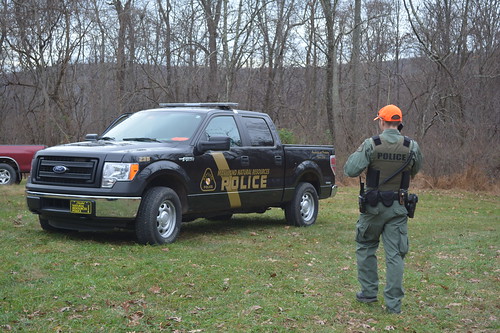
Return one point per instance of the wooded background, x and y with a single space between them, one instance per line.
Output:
320 68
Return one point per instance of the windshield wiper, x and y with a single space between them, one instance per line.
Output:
107 138
141 139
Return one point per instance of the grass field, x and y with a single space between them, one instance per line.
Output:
252 274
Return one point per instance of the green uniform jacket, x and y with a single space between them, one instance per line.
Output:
361 158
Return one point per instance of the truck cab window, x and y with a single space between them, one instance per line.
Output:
158 125
259 132
224 126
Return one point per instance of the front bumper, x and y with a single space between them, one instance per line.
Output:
101 206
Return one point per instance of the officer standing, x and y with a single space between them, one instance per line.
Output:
390 160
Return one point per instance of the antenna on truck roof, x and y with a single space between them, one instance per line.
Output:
220 105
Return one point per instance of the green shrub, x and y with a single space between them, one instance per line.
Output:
286 136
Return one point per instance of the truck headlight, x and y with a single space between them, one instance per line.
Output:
115 172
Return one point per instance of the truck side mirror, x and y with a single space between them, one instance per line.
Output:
219 143
91 137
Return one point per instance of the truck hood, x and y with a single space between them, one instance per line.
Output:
113 146
118 150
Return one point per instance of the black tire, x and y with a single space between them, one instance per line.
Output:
302 211
159 218
8 175
44 223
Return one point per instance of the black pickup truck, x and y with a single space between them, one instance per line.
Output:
154 169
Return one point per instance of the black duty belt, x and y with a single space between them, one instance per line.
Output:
386 197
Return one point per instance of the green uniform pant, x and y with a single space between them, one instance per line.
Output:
391 223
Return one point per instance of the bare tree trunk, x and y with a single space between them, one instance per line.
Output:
165 17
212 10
355 63
332 88
397 53
309 97
121 63
275 32
235 39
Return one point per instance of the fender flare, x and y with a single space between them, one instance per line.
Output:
307 171
168 174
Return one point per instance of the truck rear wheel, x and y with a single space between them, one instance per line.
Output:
159 218
7 174
302 211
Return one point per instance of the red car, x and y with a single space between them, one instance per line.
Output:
14 161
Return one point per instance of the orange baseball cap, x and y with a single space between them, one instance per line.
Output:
390 113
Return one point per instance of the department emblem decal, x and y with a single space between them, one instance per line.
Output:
208 181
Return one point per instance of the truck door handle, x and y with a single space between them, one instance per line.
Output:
245 161
278 160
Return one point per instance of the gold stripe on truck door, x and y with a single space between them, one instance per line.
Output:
220 161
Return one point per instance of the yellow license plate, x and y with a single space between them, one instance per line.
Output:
80 207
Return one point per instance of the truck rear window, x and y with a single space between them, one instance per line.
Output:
259 132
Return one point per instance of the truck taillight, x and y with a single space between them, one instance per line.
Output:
333 163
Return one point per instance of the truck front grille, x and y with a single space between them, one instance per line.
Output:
58 170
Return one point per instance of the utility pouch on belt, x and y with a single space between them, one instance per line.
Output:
386 197
372 197
411 204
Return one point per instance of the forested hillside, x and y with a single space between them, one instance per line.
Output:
320 68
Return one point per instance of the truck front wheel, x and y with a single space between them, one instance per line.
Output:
7 174
159 218
44 223
303 209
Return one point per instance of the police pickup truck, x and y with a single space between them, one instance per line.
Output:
154 169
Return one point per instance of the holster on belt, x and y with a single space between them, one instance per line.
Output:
411 204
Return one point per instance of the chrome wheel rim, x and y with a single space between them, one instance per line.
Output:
307 206
4 177
166 219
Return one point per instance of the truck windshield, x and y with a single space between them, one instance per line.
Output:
153 126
